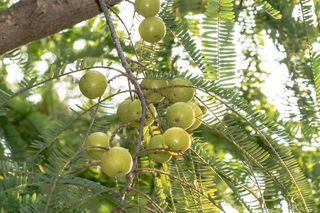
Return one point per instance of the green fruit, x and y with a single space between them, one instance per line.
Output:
96 144
177 139
152 89
151 114
129 111
123 110
93 84
180 115
198 114
158 156
180 94
116 162
152 29
135 110
147 8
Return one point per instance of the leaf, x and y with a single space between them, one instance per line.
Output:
217 41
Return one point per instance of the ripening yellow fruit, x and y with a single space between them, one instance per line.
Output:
151 114
198 115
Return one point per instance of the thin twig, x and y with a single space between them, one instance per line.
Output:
153 150
56 77
129 85
140 94
142 207
68 162
131 2
115 132
114 78
127 30
231 139
81 167
57 134
182 182
129 36
150 200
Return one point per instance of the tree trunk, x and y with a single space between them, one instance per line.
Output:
30 20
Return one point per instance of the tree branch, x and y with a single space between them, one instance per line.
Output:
137 87
30 20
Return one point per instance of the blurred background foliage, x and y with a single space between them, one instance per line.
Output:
272 39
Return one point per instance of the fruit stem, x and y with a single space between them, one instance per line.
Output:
115 132
137 87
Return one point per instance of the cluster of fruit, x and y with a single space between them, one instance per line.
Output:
114 160
152 29
183 115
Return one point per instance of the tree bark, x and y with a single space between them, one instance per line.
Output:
30 20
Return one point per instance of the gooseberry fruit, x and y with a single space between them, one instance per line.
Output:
152 89
180 115
93 84
151 114
122 111
152 29
129 111
147 8
198 114
116 162
158 156
177 139
184 93
96 144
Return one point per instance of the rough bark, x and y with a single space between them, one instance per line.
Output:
30 20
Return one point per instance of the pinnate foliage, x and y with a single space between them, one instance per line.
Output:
53 174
